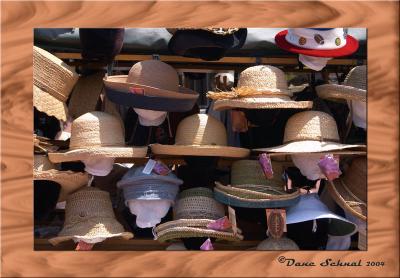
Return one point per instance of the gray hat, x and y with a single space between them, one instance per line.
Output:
139 186
310 207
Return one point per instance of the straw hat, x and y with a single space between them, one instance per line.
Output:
200 135
69 181
53 81
193 211
88 215
97 134
250 188
152 85
273 244
317 42
350 190
217 31
259 87
354 86
311 132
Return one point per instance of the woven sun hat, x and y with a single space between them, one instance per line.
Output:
97 134
151 85
310 208
137 185
69 181
274 244
317 42
250 188
193 211
200 135
53 81
350 190
311 132
208 44
89 215
259 87
354 87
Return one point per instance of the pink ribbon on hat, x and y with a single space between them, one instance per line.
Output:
221 224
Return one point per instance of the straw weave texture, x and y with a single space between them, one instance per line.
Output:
283 243
198 207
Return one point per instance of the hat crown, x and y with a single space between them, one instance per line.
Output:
198 203
88 203
311 125
154 73
42 163
201 129
52 75
357 77
355 178
250 172
136 173
96 129
263 77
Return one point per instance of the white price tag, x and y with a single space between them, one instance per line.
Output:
149 166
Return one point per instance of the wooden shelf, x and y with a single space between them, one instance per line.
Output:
134 245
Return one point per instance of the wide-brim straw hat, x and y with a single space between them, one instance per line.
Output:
259 87
152 85
332 42
275 244
53 81
194 210
69 181
251 189
97 134
354 87
350 190
310 208
312 132
200 135
89 215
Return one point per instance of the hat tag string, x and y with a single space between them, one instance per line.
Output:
314 227
90 180
153 231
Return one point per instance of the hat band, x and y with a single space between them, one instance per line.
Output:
51 92
94 146
317 138
242 92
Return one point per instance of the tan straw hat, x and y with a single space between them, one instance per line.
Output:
89 215
53 81
259 87
97 134
311 132
200 135
350 190
193 211
69 181
250 188
282 243
354 86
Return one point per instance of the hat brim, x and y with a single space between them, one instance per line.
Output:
90 229
310 146
350 47
44 102
187 228
236 201
70 181
159 179
335 92
344 200
310 208
196 150
118 91
111 152
260 103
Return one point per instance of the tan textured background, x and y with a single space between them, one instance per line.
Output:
18 19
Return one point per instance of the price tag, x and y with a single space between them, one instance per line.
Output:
149 166
276 221
232 219
136 91
84 246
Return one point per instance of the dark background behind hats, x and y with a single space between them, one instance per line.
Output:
259 41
